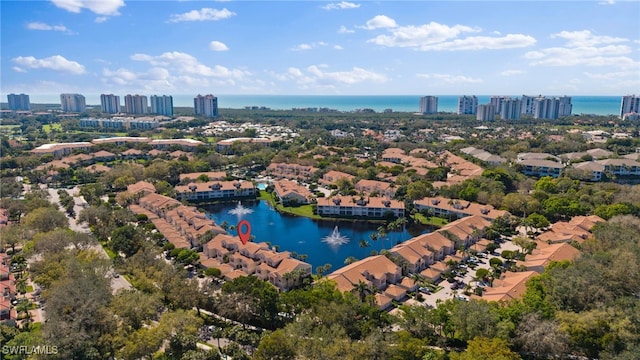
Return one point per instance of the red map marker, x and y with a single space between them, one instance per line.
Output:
244 236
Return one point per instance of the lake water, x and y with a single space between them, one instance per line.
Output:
304 236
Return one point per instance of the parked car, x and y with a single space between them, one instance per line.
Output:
424 290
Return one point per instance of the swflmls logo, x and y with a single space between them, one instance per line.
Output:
30 350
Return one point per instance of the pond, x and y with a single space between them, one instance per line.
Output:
305 236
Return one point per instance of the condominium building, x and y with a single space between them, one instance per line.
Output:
136 104
110 103
467 104
206 105
161 105
428 105
120 123
497 102
486 112
630 104
18 102
564 106
72 103
527 104
510 109
545 108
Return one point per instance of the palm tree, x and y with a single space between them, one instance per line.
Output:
364 243
362 289
350 260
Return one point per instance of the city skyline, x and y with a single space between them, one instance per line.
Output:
320 48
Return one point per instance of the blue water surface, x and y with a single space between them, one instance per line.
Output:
304 236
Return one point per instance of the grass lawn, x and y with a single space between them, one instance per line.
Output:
109 252
432 220
48 127
29 288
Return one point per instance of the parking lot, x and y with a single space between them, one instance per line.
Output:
448 293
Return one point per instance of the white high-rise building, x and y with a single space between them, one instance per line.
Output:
73 103
497 102
527 104
136 104
467 105
428 105
510 109
630 104
564 106
110 103
206 105
486 112
546 108
161 105
18 102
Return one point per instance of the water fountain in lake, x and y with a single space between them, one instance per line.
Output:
240 210
335 238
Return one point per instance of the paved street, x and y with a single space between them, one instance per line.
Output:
117 283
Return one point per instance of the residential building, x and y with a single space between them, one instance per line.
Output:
161 105
291 171
511 109
374 187
428 105
61 149
497 102
210 176
527 104
511 285
467 104
376 271
444 207
120 123
540 168
545 253
185 144
225 146
110 103
630 104
206 105
121 140
332 176
73 103
546 108
290 192
577 229
136 104
564 106
484 156
18 102
352 206
486 112
8 313
214 190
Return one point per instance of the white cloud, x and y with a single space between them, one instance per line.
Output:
341 5
316 76
512 72
343 30
380 22
420 36
47 27
508 41
309 46
19 69
440 37
186 64
450 79
607 2
586 38
56 62
100 19
585 48
218 46
204 14
100 7
338 47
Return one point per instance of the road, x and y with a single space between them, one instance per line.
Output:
117 283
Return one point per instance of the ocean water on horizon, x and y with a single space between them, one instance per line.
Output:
598 105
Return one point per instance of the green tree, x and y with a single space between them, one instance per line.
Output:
486 349
45 219
275 346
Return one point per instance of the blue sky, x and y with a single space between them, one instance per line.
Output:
317 47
